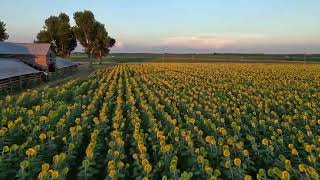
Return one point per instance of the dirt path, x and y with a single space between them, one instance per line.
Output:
82 74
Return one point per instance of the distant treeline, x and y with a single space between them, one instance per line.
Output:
200 54
298 57
214 57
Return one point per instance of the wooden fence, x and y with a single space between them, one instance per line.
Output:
19 82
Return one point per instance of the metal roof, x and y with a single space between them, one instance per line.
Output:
24 48
63 63
13 67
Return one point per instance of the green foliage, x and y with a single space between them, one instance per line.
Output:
102 43
3 35
85 29
92 35
59 33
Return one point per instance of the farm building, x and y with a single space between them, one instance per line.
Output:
65 67
37 55
23 63
14 73
63 64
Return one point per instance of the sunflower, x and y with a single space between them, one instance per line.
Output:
147 168
237 162
265 142
45 167
226 153
42 136
285 175
247 177
31 152
112 173
245 152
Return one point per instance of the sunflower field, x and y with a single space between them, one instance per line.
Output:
167 121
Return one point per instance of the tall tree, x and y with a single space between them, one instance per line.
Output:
92 35
59 33
84 30
102 42
3 35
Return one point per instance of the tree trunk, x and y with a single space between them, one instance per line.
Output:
100 57
90 60
100 60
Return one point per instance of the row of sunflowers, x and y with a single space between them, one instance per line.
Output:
167 121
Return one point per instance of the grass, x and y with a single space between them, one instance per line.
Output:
81 74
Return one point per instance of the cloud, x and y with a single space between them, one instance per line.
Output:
210 41
189 43
198 42
119 44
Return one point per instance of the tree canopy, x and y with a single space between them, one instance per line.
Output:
92 35
58 31
85 30
102 42
3 34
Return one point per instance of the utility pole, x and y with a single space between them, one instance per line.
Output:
163 58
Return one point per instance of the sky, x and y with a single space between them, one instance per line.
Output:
183 26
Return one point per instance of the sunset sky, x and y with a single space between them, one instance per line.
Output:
183 26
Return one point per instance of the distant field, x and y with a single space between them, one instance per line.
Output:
199 58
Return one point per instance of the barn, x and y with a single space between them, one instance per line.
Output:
65 65
15 74
21 64
40 56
